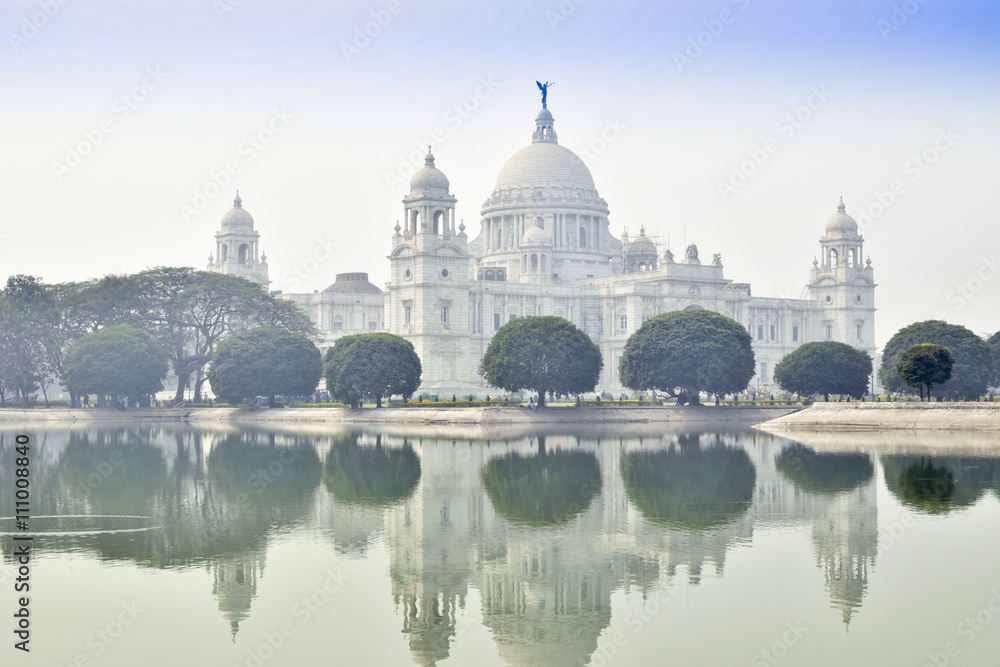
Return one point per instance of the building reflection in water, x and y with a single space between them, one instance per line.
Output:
545 528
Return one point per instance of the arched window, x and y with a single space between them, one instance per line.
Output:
224 253
534 263
438 221
642 267
501 276
242 257
480 275
583 237
833 258
490 275
414 220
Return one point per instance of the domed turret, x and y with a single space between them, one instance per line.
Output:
841 224
237 216
536 236
429 178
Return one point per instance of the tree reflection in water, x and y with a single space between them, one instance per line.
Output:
938 485
377 476
823 473
690 487
546 489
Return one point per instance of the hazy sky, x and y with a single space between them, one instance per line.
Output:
118 118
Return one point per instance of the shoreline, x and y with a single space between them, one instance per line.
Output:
899 416
485 416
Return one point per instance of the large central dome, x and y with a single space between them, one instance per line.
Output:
545 164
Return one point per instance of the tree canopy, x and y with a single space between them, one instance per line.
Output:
264 362
377 476
973 360
994 343
30 340
693 350
116 361
826 474
825 367
925 365
371 367
543 354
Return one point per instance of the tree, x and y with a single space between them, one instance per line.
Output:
371 366
973 361
826 368
30 340
116 361
689 350
264 362
543 354
994 343
925 365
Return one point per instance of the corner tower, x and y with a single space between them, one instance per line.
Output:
236 247
843 287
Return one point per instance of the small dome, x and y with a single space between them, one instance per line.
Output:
237 215
536 236
429 177
544 114
841 224
353 283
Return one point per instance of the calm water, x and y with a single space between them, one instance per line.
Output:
175 546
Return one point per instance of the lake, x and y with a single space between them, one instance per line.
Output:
169 545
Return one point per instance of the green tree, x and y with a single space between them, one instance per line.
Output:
826 367
690 350
925 365
116 361
823 473
543 354
371 366
377 476
265 362
30 339
973 360
994 343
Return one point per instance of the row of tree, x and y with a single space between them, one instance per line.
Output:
187 312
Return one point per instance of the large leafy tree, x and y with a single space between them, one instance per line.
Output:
973 360
190 312
371 366
116 361
265 362
925 365
690 350
543 354
30 339
826 367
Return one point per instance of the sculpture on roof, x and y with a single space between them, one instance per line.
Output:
691 252
544 87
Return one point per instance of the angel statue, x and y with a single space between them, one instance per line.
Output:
544 87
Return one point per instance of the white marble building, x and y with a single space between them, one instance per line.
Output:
545 247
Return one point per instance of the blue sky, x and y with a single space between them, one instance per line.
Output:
664 100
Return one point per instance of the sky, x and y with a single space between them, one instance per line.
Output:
126 127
